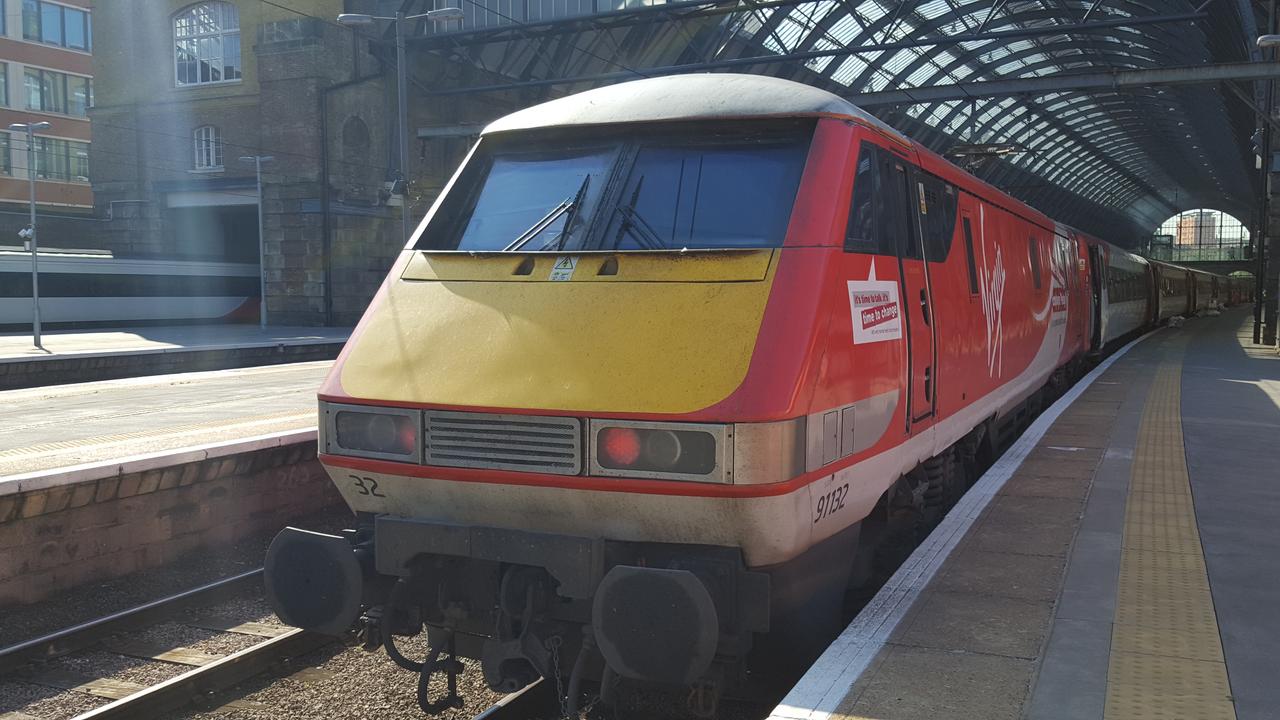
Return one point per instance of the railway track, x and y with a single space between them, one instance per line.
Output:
208 674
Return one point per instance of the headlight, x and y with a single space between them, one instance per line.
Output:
387 433
670 451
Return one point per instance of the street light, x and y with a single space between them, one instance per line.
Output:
257 161
402 87
31 129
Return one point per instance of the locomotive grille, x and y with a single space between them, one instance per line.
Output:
504 442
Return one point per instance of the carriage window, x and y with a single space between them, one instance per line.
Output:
1033 250
968 251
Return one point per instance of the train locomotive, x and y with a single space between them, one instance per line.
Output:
668 367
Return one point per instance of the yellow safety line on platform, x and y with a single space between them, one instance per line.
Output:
1166 652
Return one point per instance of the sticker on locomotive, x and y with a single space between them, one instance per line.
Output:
875 309
564 267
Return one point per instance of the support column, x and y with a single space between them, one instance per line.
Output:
1271 278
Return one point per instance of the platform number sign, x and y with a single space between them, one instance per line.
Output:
564 267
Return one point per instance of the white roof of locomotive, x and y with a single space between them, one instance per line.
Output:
686 97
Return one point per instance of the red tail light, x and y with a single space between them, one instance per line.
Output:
619 447
656 451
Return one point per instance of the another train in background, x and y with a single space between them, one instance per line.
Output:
1141 292
85 287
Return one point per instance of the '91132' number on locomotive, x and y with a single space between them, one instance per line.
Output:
831 502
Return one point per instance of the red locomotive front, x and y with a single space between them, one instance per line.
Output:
668 367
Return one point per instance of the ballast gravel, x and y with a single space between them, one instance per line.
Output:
347 683
43 702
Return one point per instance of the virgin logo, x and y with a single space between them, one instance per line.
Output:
992 282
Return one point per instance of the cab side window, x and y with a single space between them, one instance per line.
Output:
862 234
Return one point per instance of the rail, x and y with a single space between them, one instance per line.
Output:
177 692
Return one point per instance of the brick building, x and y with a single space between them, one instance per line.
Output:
185 90
46 75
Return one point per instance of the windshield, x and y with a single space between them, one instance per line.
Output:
523 188
651 193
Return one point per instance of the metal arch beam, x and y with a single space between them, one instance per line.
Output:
1048 62
1106 81
969 57
671 11
1001 122
1108 146
1086 171
971 9
837 52
1124 172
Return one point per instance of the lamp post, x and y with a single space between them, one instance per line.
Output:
257 161
31 129
402 89
1264 310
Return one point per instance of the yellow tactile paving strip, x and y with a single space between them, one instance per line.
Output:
1166 652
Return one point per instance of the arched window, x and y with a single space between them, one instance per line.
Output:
206 40
208 145
355 139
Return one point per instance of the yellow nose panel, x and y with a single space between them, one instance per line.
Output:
666 336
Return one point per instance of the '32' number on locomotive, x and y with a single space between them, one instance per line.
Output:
366 485
831 502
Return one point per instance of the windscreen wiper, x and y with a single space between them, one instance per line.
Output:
570 205
635 224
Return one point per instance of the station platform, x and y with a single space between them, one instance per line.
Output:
51 430
102 479
1122 560
70 356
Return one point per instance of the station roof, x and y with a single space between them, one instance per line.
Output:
1085 135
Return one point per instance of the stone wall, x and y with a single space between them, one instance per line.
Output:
68 230
61 537
316 97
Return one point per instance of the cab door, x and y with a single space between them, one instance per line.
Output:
917 302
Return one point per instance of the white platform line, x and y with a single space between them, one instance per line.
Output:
820 692
57 477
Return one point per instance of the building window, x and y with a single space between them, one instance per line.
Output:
4 75
55 92
207 44
62 160
6 158
208 142
59 25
